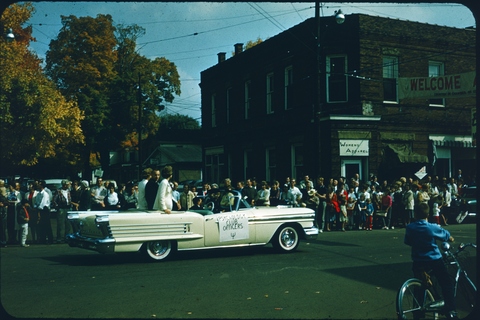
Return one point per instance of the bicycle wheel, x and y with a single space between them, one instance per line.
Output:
412 299
465 296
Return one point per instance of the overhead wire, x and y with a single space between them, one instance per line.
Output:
265 15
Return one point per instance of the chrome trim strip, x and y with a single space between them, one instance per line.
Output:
307 217
225 246
153 229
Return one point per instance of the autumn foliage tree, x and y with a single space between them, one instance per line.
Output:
96 64
37 122
81 62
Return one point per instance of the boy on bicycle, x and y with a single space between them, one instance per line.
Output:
422 236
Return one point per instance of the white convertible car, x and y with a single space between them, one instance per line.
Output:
159 235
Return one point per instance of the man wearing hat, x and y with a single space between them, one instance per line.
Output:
62 201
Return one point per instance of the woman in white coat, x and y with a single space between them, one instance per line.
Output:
164 199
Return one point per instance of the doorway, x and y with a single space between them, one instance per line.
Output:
350 168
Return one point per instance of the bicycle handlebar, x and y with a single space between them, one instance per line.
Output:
462 246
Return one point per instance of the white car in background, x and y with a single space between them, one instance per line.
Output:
159 235
54 184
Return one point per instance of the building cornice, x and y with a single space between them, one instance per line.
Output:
349 118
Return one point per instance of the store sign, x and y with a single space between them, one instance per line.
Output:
451 86
349 148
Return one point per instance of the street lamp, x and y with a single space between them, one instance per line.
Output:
339 16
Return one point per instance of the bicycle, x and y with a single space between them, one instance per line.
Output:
417 298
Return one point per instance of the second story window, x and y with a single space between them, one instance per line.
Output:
214 111
288 88
270 108
435 69
390 75
248 98
337 85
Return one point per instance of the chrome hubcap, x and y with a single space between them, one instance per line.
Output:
288 238
158 248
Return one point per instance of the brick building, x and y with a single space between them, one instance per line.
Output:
275 111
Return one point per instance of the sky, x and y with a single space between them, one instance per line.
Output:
192 34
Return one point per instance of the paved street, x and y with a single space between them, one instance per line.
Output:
339 276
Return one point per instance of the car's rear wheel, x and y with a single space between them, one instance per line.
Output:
286 239
159 250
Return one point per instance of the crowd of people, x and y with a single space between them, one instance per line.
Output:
339 203
352 204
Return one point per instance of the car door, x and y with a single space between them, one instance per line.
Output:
229 228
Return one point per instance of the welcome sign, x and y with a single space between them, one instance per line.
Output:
233 227
450 86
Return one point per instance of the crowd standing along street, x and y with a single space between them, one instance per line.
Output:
340 204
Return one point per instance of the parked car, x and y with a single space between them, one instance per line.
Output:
53 184
158 235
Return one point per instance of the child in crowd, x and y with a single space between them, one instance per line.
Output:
23 216
436 213
361 208
369 215
352 200
343 218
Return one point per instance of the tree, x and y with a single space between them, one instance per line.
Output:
81 61
36 120
97 64
178 122
250 44
141 83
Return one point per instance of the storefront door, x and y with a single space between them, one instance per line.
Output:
350 168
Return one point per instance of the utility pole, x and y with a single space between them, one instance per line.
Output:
317 108
139 129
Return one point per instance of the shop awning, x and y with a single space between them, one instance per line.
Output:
452 141
405 154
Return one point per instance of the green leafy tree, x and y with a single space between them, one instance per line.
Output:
97 64
36 120
140 90
81 61
178 122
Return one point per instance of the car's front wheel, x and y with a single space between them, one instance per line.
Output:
159 250
286 239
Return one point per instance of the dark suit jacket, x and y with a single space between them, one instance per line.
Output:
151 189
250 193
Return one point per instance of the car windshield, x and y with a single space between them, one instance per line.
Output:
469 192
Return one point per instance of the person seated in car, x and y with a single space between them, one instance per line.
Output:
214 198
197 204
227 201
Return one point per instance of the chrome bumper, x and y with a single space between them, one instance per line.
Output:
311 233
99 245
